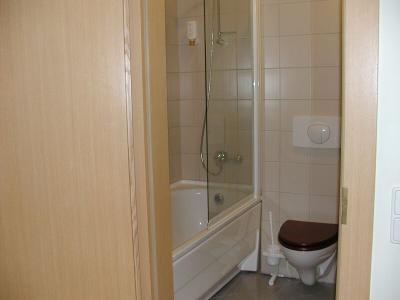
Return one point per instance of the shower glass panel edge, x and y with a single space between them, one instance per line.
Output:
232 118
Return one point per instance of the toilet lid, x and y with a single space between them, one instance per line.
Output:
307 236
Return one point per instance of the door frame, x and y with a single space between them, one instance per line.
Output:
148 139
358 160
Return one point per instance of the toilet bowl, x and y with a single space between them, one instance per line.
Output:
307 245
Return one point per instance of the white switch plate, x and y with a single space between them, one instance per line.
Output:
395 222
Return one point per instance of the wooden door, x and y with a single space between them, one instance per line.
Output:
65 196
359 111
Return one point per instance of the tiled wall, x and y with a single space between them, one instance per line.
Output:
302 77
186 93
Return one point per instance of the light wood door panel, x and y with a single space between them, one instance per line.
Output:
360 65
65 212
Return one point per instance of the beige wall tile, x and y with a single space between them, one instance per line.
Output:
326 50
190 140
270 202
172 58
271 52
271 146
294 178
295 83
271 115
245 144
290 153
271 177
191 112
192 85
190 166
174 140
245 84
270 19
173 113
325 83
224 85
293 207
272 84
245 115
173 86
325 156
291 109
171 25
244 53
324 209
190 8
191 58
295 51
295 18
225 56
325 180
325 107
325 16
175 168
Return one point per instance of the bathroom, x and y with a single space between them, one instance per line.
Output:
246 83
199 149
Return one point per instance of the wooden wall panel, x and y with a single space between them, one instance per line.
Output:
65 214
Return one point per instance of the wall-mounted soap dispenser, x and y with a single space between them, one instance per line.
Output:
191 32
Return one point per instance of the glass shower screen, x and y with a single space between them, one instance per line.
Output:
227 139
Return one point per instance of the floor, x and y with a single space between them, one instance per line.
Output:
252 286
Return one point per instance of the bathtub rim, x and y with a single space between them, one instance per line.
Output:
216 224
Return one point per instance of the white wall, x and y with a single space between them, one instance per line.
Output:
385 277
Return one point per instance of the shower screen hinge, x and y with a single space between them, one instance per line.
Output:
344 203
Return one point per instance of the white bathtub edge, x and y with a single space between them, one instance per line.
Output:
213 228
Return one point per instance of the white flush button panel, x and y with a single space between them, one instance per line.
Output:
396 216
316 132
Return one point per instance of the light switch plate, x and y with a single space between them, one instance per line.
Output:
395 220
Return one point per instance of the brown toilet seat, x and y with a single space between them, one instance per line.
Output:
307 236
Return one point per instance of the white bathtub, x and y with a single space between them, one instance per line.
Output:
206 256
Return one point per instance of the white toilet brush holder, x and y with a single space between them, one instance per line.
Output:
273 255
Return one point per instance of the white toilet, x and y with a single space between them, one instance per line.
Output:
306 245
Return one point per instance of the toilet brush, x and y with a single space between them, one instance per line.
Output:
273 253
